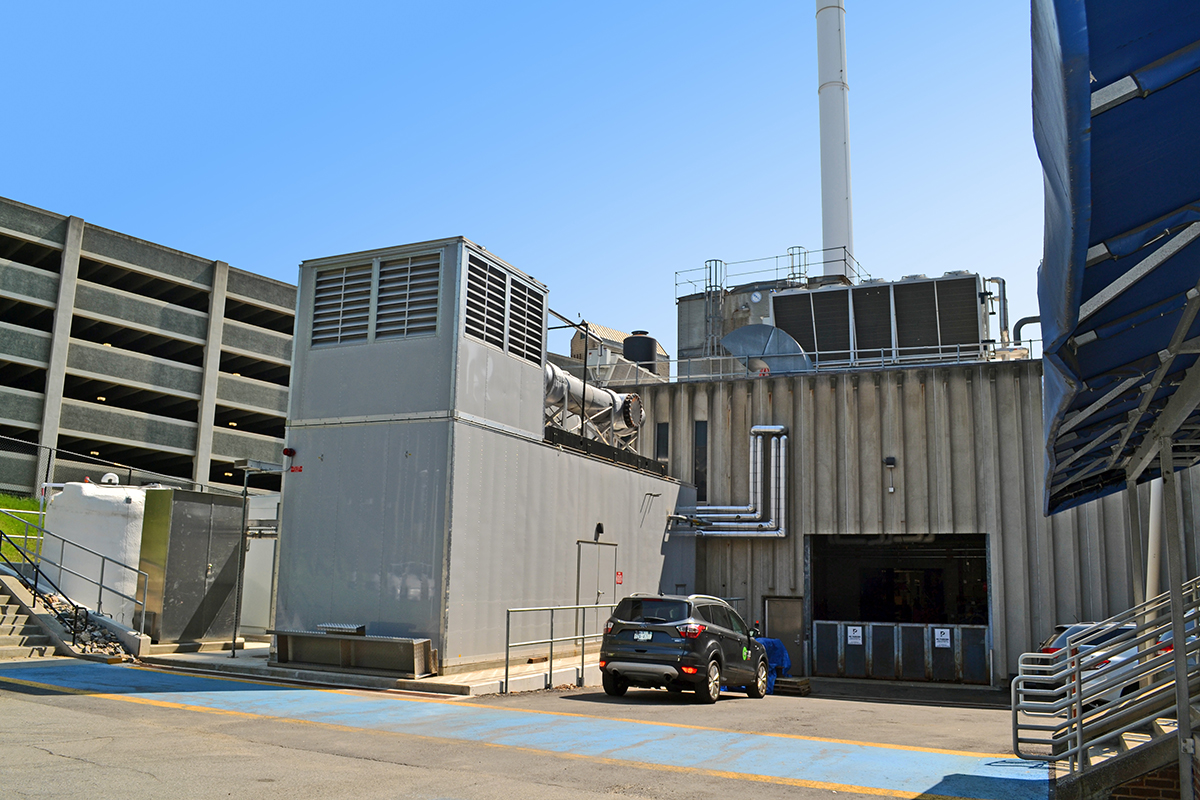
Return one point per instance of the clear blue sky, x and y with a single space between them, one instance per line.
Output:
599 147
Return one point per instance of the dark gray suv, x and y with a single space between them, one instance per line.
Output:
695 642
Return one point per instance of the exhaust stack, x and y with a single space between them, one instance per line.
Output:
837 223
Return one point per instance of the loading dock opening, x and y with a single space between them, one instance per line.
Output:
901 608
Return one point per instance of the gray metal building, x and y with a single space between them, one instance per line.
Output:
423 499
121 348
950 536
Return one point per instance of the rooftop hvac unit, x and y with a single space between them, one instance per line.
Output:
917 319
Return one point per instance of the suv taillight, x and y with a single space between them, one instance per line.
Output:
691 630
608 627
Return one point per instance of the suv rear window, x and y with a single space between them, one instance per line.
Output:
651 609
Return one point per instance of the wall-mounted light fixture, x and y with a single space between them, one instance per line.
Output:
890 463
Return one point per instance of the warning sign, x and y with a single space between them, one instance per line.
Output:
620 577
854 634
941 637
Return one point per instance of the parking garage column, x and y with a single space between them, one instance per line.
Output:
212 371
60 341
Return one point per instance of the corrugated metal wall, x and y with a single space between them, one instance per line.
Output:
968 445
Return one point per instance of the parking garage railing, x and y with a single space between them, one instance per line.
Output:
580 636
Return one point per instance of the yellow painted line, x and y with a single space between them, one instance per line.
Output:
469 704
737 776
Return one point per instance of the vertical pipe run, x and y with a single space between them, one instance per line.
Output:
1154 542
837 225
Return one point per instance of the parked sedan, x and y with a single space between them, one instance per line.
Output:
1111 670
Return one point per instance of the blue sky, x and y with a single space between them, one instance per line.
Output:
599 147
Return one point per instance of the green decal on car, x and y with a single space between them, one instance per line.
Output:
745 654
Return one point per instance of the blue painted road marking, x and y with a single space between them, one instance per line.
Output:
874 769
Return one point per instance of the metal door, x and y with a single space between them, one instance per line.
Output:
595 581
785 622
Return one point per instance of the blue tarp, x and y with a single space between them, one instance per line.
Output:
779 663
1121 186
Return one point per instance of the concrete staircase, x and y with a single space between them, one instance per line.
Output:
19 637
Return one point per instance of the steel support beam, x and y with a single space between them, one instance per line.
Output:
1173 534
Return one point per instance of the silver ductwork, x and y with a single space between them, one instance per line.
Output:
768 466
623 411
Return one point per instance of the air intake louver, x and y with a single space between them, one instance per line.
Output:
408 297
342 305
486 289
525 320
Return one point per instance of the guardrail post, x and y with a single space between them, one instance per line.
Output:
583 649
507 639
550 661
100 587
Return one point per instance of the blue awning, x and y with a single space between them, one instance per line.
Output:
1116 112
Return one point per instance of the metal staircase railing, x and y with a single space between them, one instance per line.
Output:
1110 689
41 563
28 572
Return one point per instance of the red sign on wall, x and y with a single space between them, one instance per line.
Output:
620 577
297 469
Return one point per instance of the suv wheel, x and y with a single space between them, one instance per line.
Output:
759 687
613 686
710 690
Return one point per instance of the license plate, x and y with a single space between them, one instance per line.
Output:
642 636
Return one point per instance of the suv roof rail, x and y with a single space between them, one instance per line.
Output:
706 597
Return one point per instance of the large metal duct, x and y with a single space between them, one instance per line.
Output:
624 410
837 223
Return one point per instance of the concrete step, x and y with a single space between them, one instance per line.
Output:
1164 726
1132 739
8 607
16 618
9 653
1099 753
37 639
17 626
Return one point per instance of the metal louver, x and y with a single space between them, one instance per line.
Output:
407 302
342 305
526 319
486 299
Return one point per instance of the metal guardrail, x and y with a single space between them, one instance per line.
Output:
41 560
582 636
34 584
1113 678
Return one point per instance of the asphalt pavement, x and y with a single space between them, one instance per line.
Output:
74 728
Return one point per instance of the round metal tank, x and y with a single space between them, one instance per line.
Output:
641 349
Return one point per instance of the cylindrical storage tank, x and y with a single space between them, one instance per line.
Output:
641 349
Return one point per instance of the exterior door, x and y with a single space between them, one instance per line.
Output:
785 622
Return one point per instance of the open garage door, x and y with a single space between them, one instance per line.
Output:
911 608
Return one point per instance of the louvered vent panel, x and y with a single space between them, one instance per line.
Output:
408 297
341 306
525 321
486 290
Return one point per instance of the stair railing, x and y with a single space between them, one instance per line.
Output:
26 563
107 565
1112 678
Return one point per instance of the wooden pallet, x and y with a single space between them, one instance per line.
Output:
796 687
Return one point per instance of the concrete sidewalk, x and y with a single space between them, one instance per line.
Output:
251 662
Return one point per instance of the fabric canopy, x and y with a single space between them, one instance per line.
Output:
1116 105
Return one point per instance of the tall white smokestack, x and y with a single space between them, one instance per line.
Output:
833 93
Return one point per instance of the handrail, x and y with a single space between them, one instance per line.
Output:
582 637
1100 686
141 580
34 586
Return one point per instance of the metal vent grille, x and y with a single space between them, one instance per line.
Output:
794 316
486 295
958 310
873 319
526 319
342 305
407 302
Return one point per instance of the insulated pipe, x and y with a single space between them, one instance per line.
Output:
756 479
760 525
561 387
1021 323
1154 540
1003 298
837 223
